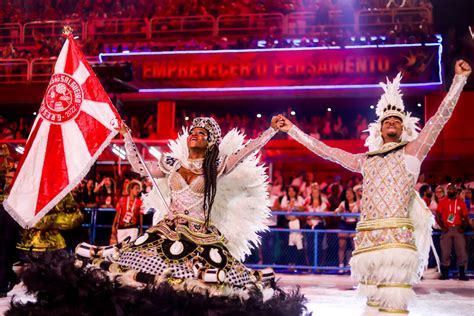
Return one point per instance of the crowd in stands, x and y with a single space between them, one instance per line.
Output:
30 10
321 127
49 47
18 128
291 191
301 192
22 11
399 35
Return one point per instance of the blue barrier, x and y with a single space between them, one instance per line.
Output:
320 252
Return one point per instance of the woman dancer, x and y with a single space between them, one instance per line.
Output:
189 262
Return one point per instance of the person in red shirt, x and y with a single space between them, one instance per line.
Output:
129 218
452 217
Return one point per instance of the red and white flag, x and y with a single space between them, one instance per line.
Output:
75 123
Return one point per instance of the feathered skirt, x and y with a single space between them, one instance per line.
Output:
178 267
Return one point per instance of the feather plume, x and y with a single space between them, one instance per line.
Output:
392 96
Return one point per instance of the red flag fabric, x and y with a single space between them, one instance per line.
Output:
75 123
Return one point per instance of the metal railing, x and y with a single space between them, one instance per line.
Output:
118 29
10 33
320 250
308 24
41 69
38 30
20 70
384 19
175 27
250 24
179 27
14 71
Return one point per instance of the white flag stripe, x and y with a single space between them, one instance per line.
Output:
24 194
61 61
81 74
75 149
100 111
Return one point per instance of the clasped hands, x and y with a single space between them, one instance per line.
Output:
281 123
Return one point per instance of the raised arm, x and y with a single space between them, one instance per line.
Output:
427 137
133 156
350 161
251 147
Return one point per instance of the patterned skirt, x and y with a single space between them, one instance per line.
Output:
178 249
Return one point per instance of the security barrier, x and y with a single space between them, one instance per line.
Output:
320 252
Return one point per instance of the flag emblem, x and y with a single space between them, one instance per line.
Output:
62 100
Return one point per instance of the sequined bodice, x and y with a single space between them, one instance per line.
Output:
388 186
187 199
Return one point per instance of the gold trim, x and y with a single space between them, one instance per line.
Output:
381 247
399 285
393 310
376 224
190 219
373 283
387 148
67 30
210 238
174 281
373 303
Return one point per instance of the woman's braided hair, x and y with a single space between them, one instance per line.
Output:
210 161
210 179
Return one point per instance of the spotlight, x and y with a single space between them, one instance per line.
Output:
119 151
419 105
293 113
372 107
34 113
186 118
329 109
259 115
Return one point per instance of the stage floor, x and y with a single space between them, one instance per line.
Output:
335 295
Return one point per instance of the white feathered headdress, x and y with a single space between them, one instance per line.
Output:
391 104
241 205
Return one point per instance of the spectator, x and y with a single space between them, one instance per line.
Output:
468 199
89 197
426 194
105 189
348 205
292 202
452 217
128 220
314 203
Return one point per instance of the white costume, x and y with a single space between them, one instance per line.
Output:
393 235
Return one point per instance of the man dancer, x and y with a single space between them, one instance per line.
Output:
386 261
